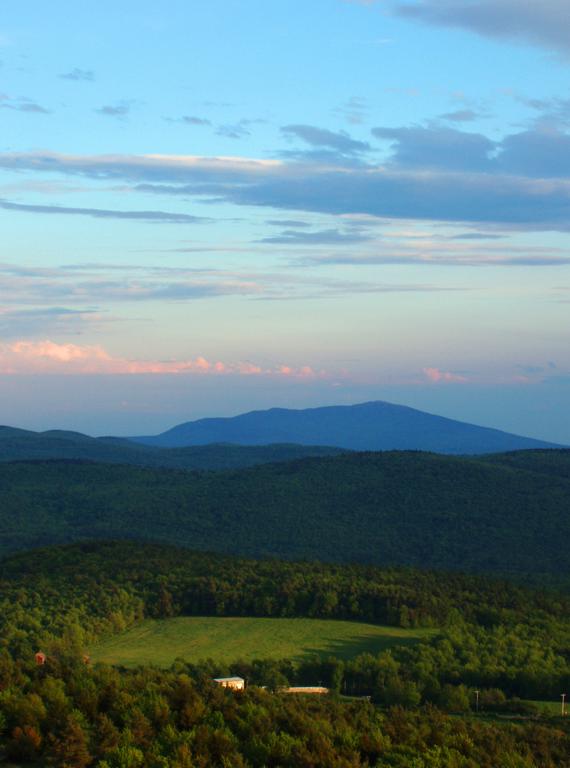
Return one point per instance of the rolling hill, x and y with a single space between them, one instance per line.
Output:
21 444
374 426
392 508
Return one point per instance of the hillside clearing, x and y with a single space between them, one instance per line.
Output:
225 640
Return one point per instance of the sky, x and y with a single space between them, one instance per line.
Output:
224 205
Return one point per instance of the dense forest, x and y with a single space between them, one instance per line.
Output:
492 633
94 583
76 717
504 513
508 642
410 705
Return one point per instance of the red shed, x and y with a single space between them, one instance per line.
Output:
41 658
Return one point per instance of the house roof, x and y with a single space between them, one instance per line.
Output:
229 680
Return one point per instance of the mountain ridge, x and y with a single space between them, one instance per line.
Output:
371 426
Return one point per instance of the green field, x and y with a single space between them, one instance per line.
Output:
552 708
228 639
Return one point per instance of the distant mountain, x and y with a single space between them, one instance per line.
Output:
375 426
21 444
388 508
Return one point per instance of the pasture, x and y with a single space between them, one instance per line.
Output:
226 639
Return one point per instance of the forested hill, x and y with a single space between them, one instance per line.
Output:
22 444
374 426
399 508
506 643
141 580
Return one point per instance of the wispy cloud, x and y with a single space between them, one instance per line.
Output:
432 175
435 254
529 370
101 285
321 237
194 120
477 236
238 130
437 376
460 116
551 114
17 323
235 130
354 111
162 217
293 223
120 110
101 291
23 105
338 142
79 75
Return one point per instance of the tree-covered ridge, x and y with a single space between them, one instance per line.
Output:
554 461
500 638
395 508
103 586
24 445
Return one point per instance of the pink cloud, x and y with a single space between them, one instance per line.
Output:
249 369
46 356
437 376
306 372
32 357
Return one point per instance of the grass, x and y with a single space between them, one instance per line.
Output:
228 639
552 708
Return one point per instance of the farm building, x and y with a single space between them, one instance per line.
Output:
306 689
235 683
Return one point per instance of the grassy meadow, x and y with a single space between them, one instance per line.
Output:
225 640
551 708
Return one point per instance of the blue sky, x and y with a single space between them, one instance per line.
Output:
215 206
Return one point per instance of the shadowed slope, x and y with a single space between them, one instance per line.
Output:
21 444
402 508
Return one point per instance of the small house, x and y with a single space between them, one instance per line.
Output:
235 683
40 658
